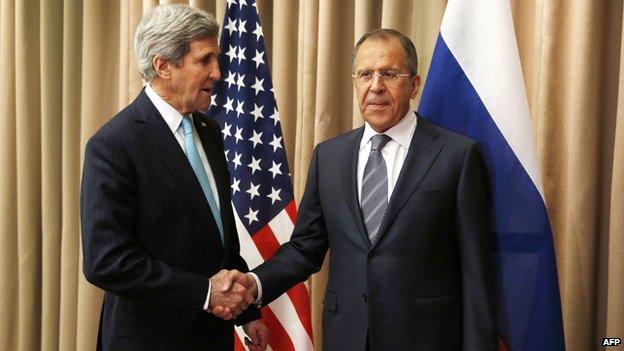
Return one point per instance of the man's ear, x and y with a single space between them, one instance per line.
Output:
415 86
162 67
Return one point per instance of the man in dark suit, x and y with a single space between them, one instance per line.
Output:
402 204
157 224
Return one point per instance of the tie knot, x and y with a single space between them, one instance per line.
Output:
379 141
187 125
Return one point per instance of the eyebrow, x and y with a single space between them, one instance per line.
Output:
208 55
379 69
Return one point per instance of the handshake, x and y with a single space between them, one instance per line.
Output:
231 292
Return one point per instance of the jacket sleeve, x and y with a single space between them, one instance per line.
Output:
479 331
303 255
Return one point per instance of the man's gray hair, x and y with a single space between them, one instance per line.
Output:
167 31
385 34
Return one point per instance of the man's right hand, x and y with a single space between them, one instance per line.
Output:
233 280
228 298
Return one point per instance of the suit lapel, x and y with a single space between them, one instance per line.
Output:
422 152
167 148
349 180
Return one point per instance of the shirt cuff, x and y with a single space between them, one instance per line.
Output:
207 303
258 300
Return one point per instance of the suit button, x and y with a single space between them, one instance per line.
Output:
372 255
364 297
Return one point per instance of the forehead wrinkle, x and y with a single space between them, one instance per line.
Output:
379 60
387 51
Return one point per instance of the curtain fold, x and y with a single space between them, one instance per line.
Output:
67 66
8 180
28 165
51 34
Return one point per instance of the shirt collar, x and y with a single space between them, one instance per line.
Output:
172 117
401 132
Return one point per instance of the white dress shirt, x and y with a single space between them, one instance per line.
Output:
394 152
173 118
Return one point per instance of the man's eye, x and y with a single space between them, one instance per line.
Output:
366 74
388 74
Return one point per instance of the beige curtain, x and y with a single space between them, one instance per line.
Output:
67 66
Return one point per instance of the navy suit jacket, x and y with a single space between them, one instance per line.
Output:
149 238
427 282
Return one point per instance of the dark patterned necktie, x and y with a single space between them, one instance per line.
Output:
375 187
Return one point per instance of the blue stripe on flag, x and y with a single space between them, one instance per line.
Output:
527 287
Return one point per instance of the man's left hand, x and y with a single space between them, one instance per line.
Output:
259 335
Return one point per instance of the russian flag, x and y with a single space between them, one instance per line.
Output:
475 87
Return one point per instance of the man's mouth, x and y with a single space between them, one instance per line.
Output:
376 104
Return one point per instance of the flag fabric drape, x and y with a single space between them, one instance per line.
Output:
262 194
475 87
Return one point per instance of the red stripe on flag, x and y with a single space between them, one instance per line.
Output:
278 337
238 345
291 209
300 298
266 242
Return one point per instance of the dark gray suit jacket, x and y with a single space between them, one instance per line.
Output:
427 283
149 238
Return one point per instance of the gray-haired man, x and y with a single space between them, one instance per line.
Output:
157 225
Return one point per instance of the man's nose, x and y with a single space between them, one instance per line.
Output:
215 71
377 84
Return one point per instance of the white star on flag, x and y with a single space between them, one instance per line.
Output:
226 130
253 190
275 116
241 27
230 79
231 53
258 85
235 186
255 139
239 107
258 31
240 82
258 58
275 169
241 54
231 26
257 112
254 165
274 195
228 105
237 160
239 134
252 216
276 143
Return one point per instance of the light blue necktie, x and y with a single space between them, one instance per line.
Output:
200 171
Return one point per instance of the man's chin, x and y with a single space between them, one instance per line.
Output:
376 118
203 106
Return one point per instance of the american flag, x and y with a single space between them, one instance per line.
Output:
262 195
